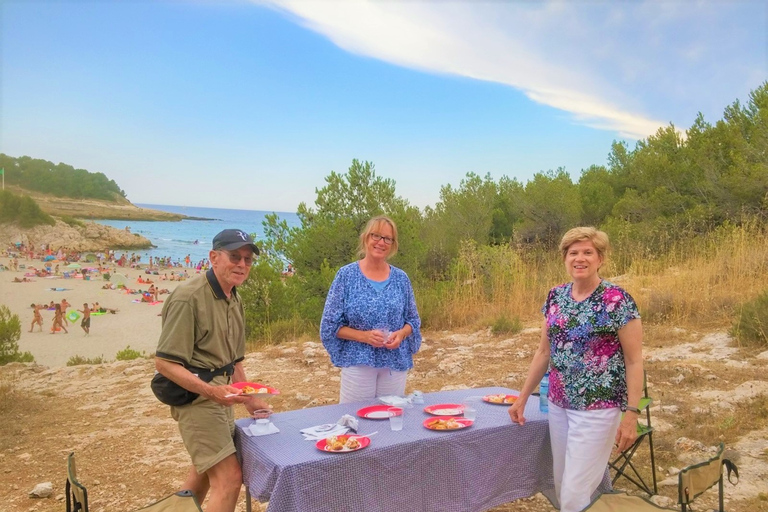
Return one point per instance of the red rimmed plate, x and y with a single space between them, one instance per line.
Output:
256 387
323 445
500 399
447 424
445 409
377 412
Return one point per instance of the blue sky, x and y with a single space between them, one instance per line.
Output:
251 104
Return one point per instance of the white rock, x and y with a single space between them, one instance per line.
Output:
42 490
662 501
689 445
762 355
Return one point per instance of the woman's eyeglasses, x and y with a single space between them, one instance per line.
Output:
376 237
235 258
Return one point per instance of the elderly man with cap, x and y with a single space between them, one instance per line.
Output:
203 328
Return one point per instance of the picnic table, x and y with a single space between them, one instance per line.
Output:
416 469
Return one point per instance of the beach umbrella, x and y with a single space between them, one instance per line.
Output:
73 266
90 258
118 279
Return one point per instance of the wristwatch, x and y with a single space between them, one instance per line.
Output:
633 409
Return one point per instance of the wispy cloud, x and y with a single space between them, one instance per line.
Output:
481 41
590 59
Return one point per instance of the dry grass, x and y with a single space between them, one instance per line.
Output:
699 283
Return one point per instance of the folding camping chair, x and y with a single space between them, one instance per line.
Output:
622 464
77 496
691 483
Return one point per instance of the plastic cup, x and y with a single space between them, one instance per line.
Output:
262 426
470 407
396 418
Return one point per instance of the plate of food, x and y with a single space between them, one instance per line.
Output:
445 409
377 412
447 423
500 399
343 444
254 388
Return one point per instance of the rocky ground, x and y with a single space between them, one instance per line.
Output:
129 452
89 237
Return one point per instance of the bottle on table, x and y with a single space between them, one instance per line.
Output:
543 390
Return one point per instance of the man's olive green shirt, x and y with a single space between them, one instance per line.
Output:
201 327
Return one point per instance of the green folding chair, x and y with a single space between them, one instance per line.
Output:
691 483
77 496
622 465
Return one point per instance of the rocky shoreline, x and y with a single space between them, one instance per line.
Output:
88 237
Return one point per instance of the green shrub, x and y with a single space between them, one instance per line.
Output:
22 210
78 360
505 325
128 354
10 332
751 324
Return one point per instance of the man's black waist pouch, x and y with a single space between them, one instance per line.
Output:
171 393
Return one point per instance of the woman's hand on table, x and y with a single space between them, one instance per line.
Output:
516 412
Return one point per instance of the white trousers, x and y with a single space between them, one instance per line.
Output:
581 445
363 383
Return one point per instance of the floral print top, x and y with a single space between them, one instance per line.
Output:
354 302
586 368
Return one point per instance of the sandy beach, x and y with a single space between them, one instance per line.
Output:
136 324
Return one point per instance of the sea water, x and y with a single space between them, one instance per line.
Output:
193 237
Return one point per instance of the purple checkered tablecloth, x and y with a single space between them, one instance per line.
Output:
490 463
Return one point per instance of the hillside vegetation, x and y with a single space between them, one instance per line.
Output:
22 210
685 213
60 180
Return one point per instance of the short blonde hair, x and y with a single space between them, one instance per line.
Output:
374 225
598 238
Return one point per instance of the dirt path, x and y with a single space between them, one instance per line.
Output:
129 452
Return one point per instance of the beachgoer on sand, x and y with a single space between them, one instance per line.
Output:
58 320
37 318
85 323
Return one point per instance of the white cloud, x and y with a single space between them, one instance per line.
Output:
630 67
503 43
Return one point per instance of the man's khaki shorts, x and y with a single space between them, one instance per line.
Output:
207 429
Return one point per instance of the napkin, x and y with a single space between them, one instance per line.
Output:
395 401
250 430
349 422
322 431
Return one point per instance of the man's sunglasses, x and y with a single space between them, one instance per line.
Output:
235 257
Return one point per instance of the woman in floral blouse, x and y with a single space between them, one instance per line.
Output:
370 325
591 344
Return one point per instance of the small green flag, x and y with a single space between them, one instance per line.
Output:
2 172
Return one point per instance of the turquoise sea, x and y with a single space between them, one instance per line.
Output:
177 239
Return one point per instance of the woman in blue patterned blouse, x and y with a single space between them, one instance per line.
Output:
370 325
591 343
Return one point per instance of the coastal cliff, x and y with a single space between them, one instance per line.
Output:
81 238
121 209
